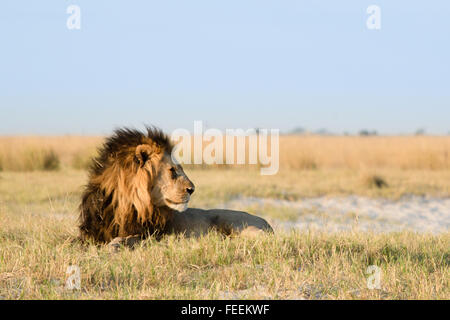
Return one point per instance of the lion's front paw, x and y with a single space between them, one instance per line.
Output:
116 244
128 242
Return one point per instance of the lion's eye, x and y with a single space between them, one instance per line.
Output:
173 171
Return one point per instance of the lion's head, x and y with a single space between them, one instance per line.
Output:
131 182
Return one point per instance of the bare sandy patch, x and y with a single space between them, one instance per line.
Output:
334 214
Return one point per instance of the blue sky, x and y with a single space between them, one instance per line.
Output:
233 64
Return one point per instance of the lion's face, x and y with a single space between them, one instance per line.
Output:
171 187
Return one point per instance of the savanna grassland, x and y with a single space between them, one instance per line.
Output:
41 180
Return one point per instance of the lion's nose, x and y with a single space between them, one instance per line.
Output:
190 190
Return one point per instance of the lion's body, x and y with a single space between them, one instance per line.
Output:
196 222
136 190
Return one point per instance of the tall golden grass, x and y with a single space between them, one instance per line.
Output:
409 152
30 153
27 153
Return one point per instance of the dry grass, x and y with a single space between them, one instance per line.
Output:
406 153
36 250
223 185
296 152
38 212
30 160
22 153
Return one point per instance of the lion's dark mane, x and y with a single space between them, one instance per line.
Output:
109 205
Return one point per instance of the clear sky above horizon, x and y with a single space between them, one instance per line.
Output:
232 64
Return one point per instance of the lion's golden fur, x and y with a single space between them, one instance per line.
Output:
117 200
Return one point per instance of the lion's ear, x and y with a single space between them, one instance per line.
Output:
143 154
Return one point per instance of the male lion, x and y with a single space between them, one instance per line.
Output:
136 190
